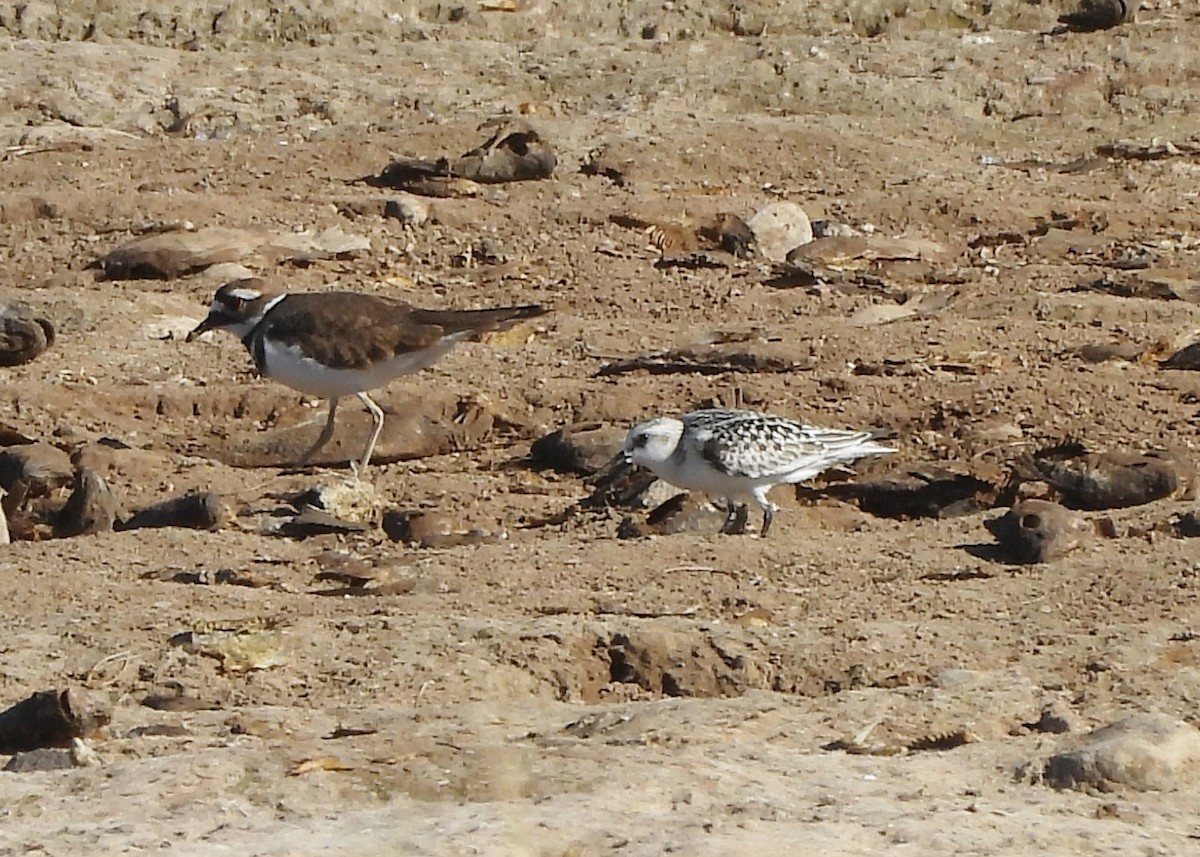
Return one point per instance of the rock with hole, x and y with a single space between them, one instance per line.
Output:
1038 531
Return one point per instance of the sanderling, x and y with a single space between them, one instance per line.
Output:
733 454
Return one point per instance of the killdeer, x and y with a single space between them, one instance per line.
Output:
731 454
332 344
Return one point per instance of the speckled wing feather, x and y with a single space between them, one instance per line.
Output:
757 446
709 417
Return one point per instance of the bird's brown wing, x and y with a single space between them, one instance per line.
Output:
346 330
350 330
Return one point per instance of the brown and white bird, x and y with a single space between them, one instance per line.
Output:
334 344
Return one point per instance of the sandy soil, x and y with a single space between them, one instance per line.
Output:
560 690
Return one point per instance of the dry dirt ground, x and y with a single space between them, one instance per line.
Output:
560 690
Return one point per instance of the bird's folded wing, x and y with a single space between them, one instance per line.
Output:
364 328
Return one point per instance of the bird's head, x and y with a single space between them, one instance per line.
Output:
653 441
238 306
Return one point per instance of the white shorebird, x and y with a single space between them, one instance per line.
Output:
741 454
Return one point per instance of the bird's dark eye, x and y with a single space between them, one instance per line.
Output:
236 303
640 441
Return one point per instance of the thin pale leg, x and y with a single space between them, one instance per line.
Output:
377 416
769 508
323 438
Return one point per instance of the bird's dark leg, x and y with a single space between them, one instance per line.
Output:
768 509
730 515
735 517
323 438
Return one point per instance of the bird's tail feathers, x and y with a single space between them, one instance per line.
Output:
473 321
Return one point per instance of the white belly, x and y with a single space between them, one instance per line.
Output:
694 475
289 366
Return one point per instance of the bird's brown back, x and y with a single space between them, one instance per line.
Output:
351 330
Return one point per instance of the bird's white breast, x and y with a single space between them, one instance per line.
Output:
689 470
289 365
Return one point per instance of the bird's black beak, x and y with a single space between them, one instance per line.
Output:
214 320
611 471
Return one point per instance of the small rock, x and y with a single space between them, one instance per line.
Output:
734 235
1093 15
354 575
689 513
1144 752
413 429
1052 721
619 484
177 253
164 328
317 522
240 649
584 448
226 272
658 494
1110 480
197 510
833 229
958 678
91 508
18 208
177 700
408 209
100 457
684 513
344 567
24 334
779 228
348 500
159 730
1104 352
82 754
33 470
173 254
432 530
51 718
993 430
1188 526
1185 358
42 759
1037 531
514 152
